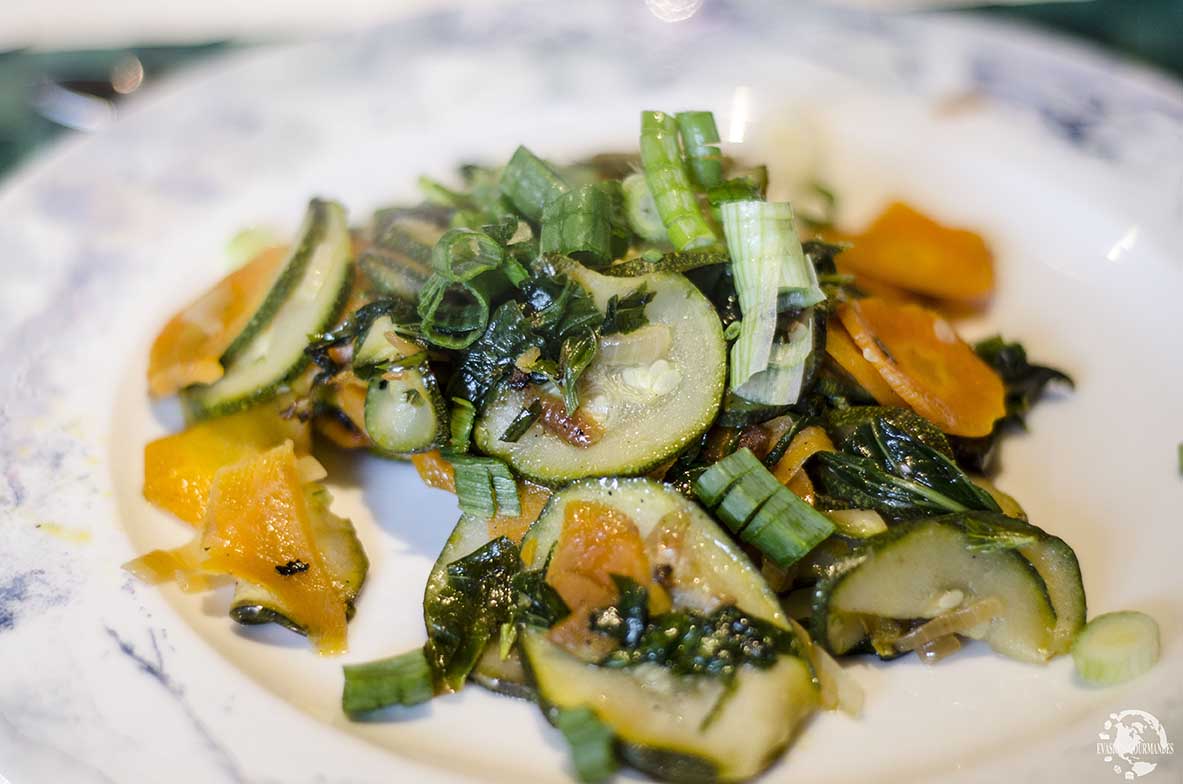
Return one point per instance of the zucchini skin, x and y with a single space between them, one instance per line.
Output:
386 442
316 226
661 764
544 459
869 548
204 402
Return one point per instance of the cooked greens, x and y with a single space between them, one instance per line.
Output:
675 425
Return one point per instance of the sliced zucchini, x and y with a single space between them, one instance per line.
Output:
304 300
665 722
708 568
925 568
404 410
674 726
648 413
491 671
405 413
343 554
398 260
373 348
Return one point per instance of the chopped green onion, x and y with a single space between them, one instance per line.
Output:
700 139
593 748
405 679
439 194
780 383
577 224
747 495
484 486
1115 647
772 275
749 500
454 313
733 190
713 484
463 254
641 209
522 422
460 423
666 176
530 183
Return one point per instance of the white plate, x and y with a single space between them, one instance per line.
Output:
1071 164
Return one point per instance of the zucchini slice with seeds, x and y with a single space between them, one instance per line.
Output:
304 300
673 726
405 412
648 412
923 568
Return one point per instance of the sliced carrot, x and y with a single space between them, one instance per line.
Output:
532 498
907 249
179 469
802 486
850 358
259 518
434 470
188 348
805 444
596 542
919 355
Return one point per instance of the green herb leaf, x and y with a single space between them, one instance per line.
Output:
538 603
627 314
522 422
405 679
490 358
469 609
577 353
461 419
530 183
864 484
687 642
902 454
592 743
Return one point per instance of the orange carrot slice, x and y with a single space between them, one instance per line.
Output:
434 470
532 498
919 355
909 250
849 357
259 518
179 469
596 542
188 348
805 444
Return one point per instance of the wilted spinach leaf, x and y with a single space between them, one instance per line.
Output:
627 314
687 642
476 597
888 469
538 603
1025 385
